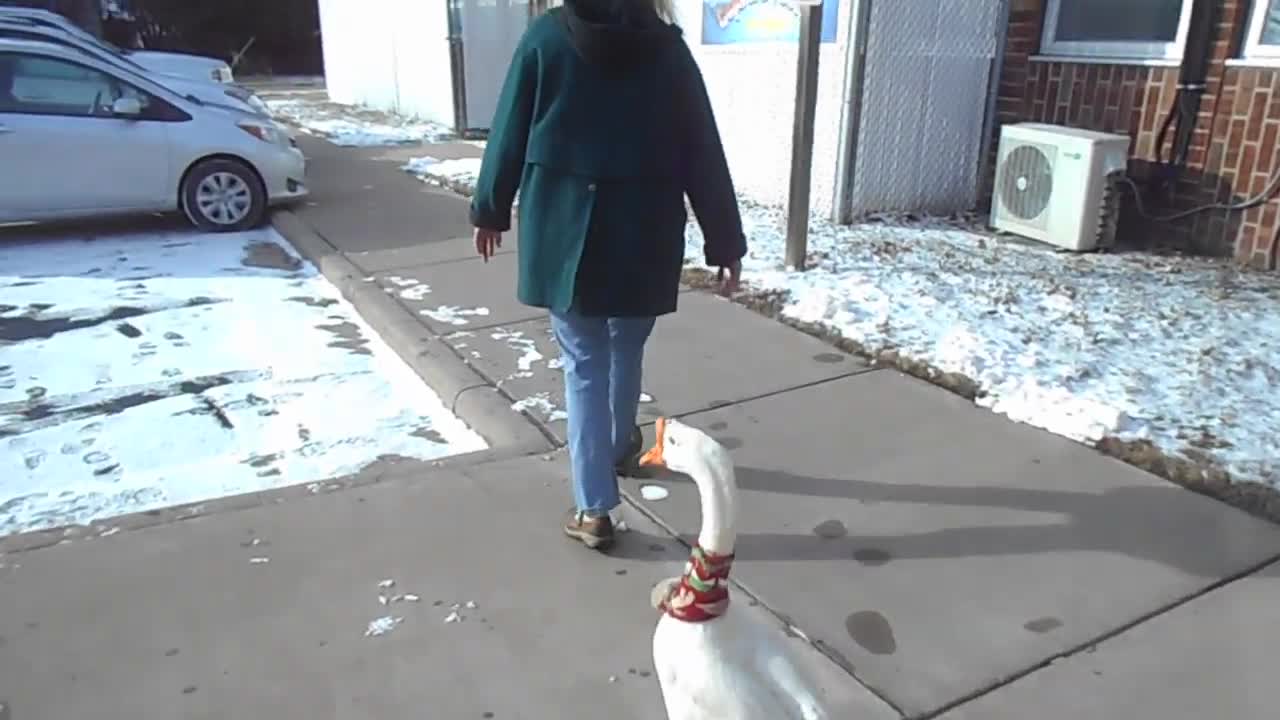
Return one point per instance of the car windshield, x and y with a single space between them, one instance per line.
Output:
83 34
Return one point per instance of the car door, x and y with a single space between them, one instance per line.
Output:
63 149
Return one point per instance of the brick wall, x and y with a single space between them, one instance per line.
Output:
1235 148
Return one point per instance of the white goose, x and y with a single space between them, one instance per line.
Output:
715 663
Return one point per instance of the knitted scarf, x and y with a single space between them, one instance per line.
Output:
703 592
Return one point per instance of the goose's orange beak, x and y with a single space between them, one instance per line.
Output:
653 458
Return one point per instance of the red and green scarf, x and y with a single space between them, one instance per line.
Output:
703 592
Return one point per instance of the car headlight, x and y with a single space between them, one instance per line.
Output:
265 132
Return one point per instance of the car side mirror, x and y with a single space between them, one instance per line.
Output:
126 107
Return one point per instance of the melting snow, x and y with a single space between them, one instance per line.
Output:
653 493
526 346
343 126
382 626
145 371
541 403
418 166
454 315
1180 352
408 288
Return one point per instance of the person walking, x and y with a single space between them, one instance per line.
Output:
603 126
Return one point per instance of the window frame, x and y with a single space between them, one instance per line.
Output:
1120 51
1254 48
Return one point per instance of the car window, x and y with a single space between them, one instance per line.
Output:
49 86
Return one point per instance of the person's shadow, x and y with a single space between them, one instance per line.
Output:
1163 524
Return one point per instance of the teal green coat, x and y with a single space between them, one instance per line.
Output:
604 130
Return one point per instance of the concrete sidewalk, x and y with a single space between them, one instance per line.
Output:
941 560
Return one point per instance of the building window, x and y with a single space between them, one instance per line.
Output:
1119 29
1263 40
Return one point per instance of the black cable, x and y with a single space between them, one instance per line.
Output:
1262 197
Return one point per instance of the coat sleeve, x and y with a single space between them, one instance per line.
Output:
707 180
504 153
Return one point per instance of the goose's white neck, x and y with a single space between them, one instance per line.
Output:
718 492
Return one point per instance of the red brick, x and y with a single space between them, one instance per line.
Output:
1244 93
1213 160
1236 136
1257 113
1259 183
1244 169
1115 89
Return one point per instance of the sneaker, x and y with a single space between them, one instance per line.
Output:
629 464
595 533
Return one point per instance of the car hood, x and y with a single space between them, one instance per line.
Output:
173 58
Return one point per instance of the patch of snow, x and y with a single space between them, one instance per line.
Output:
382 626
1179 352
386 584
453 617
654 493
458 170
457 173
556 364
646 397
454 315
408 288
542 405
527 348
174 368
346 127
418 166
259 560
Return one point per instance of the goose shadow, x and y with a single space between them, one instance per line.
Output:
1167 525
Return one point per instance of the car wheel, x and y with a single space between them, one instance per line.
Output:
222 195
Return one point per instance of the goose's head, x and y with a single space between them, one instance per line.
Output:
688 450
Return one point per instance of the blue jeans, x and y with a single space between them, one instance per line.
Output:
603 361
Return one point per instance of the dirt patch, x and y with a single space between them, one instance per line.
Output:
269 256
1197 472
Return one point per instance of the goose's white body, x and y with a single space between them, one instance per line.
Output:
732 668
738 666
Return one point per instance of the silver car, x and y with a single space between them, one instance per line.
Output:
194 67
79 137
12 28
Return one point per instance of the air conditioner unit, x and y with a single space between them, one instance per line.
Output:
1059 185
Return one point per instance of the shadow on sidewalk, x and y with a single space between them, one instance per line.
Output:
1138 521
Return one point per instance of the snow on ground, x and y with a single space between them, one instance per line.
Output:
463 171
143 371
350 127
1180 352
459 174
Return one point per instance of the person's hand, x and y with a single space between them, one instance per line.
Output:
729 285
487 242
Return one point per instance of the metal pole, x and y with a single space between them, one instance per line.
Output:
993 99
851 113
802 134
